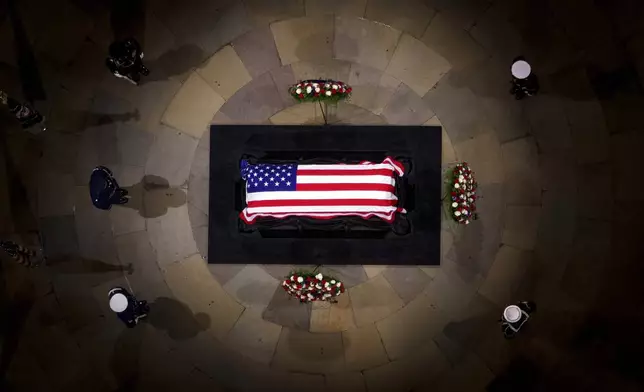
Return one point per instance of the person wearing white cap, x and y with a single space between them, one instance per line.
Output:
127 307
524 82
514 316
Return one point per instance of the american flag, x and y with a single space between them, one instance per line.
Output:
321 191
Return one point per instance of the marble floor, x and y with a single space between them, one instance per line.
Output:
552 173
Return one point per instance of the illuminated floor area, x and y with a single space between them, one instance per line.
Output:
553 173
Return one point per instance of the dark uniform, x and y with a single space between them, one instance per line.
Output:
27 115
510 329
104 190
125 60
135 309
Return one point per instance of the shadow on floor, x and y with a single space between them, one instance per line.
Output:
176 319
173 62
32 86
127 19
79 265
14 311
153 196
126 356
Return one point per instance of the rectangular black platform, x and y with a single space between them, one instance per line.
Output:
229 142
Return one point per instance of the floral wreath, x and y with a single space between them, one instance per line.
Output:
463 194
308 287
320 90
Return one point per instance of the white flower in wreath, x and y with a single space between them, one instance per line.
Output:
318 286
338 284
465 212
455 204
315 84
298 91
467 222
335 87
327 85
309 89
456 186
328 93
319 276
457 213
317 89
300 279
333 282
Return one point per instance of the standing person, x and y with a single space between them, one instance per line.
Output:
125 60
127 307
524 82
27 115
514 316
22 255
104 190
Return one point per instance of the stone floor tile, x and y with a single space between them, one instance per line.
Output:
252 287
407 281
266 12
193 107
595 185
345 382
284 78
235 21
55 194
364 118
363 348
588 131
287 311
521 225
94 230
521 164
586 269
483 154
411 327
124 219
549 124
321 69
201 239
308 352
133 145
374 270
346 8
406 108
374 300
371 88
257 51
255 102
59 151
59 236
201 162
171 236
411 16
191 284
452 289
197 217
505 275
146 280
364 42
452 42
171 156
308 39
254 337
423 366
350 275
497 35
304 113
224 272
470 374
461 113
225 72
332 317
417 65
198 192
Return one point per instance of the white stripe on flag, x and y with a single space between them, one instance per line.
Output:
317 195
370 166
305 209
305 179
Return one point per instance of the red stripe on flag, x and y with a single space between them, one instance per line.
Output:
345 187
332 172
323 202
